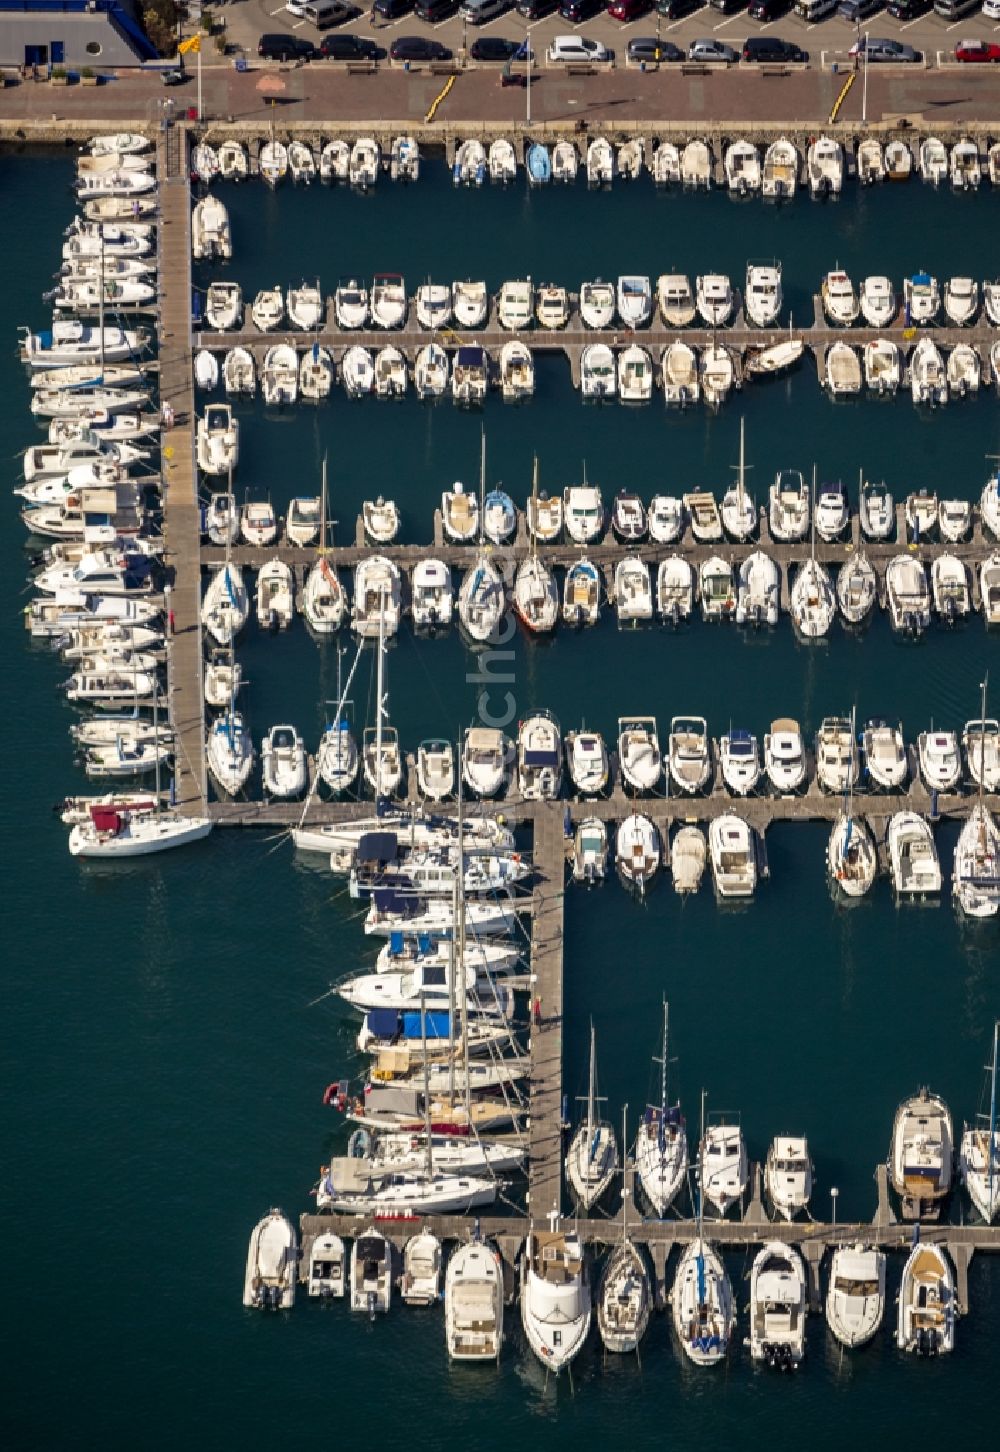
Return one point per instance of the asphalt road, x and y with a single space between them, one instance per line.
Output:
831 37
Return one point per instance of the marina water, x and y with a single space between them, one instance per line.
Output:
163 1066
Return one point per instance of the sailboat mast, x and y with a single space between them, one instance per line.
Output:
625 1190
427 1092
990 1148
482 486
460 939
739 482
378 697
322 511
534 507
812 519
100 300
591 1089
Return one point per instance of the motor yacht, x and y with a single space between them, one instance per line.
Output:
913 860
371 1276
633 591
908 595
590 851
597 304
855 1299
587 762
877 301
555 1296
723 1171
539 757
778 1306
675 299
788 506
758 591
788 1175
283 761
785 756
739 756
925 1321
939 759
474 1303
840 301
634 300
582 594
637 852
675 589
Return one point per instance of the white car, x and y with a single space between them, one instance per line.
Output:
577 48
991 9
296 8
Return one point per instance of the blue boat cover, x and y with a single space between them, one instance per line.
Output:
921 279
471 356
377 847
541 758
437 1025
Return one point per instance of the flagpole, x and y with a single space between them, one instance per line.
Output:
199 82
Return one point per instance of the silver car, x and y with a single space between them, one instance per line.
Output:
711 50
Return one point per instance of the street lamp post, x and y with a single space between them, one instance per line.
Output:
834 1192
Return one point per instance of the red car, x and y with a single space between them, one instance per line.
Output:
627 9
977 50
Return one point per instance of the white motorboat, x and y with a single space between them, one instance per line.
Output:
327 1269
635 375
837 762
598 372
762 299
388 300
431 597
676 300
272 1264
857 589
876 511
898 161
516 304
831 510
633 591
267 311
981 745
979 1151
908 595
432 301
234 164
272 161
582 593
639 756
98 681
842 373
474 1303
933 159
470 375
634 300
258 522
989 588
813 600
371 1274
279 378
304 520
539 757
927 1306
961 301
739 756
306 307
665 518
481 599
338 759
592 1156
323 601
381 520
565 162
718 374
590 851
597 304
696 164
283 759
350 305
885 755
991 301
218 440
788 506
637 852
788 1175
404 159
470 303
965 169
224 306
366 160
357 369
460 514
921 1155
666 167
723 1171
851 857
688 858
714 297
921 299
555 1296
117 182
870 161
778 1306
954 519
717 589
680 375
675 589
855 1299
223 678
431 371
469 167
883 366
502 161
631 157
963 371
435 769
780 177
913 858
377 597
732 850
225 605
230 752
211 237
976 873
517 371
742 168
877 301
825 167
840 301
239 372
583 512
600 162
689 754
499 517
758 591
785 755
587 762
950 588
544 517
487 755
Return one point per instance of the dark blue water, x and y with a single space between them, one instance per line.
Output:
164 1068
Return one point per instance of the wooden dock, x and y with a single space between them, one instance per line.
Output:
181 511
545 1108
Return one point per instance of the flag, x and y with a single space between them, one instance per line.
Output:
191 46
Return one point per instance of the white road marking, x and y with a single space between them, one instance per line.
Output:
723 23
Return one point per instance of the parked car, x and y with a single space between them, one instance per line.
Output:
648 48
765 49
280 47
418 48
535 9
728 7
576 11
576 48
977 51
711 50
393 9
676 9
908 9
876 49
494 48
175 76
627 10
478 12
991 9
349 47
434 10
768 10
855 10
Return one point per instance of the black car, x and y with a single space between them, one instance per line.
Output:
494 48
577 10
434 10
285 47
349 47
535 9
392 9
768 10
676 9
728 7
418 48
648 48
908 9
760 49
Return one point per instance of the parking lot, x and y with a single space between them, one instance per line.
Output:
827 41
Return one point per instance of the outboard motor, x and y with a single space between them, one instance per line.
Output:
372 1304
675 615
741 186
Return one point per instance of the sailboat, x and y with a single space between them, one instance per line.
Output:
851 858
536 597
979 1152
813 600
337 759
702 1302
624 1300
592 1158
976 877
323 601
380 754
739 510
226 603
661 1150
